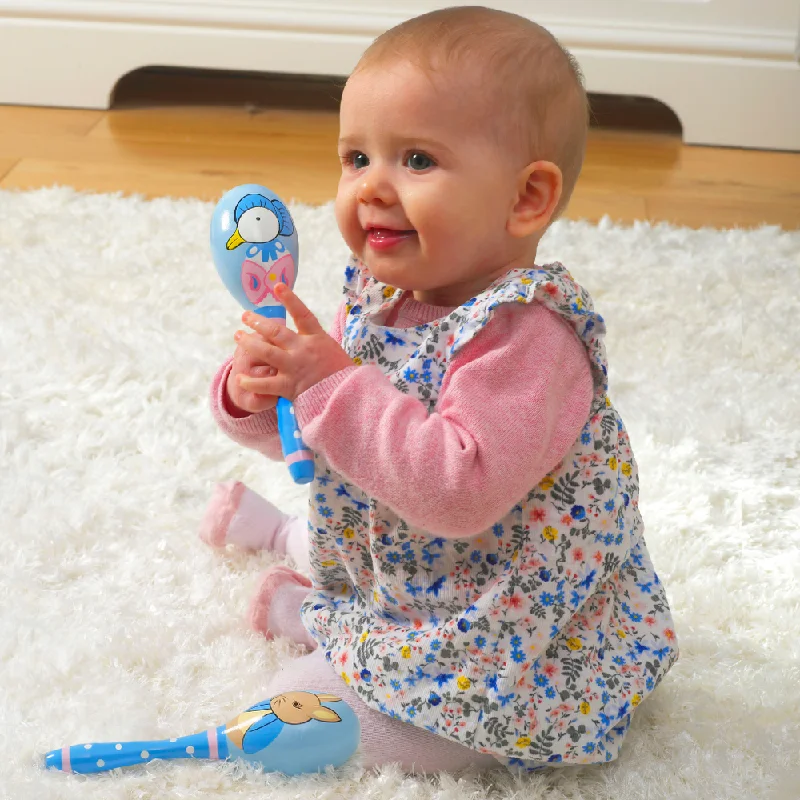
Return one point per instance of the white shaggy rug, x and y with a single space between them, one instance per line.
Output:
117 622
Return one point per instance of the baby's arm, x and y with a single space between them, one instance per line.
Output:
511 406
256 431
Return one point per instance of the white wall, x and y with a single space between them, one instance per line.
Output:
728 68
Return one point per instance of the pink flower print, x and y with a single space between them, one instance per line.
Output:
538 514
550 669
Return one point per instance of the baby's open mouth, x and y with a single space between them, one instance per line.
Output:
382 238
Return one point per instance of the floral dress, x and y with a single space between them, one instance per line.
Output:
535 640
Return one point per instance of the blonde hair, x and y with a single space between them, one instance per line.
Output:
535 83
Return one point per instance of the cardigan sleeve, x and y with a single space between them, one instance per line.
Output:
512 404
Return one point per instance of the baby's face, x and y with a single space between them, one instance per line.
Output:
426 190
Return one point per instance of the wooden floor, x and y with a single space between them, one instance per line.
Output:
203 150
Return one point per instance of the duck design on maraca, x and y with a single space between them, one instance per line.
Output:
254 247
260 224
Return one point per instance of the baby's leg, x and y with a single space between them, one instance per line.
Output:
275 607
238 515
383 740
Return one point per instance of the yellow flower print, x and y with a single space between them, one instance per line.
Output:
626 469
526 281
364 637
328 563
405 651
578 303
464 683
348 533
635 700
612 462
357 361
523 741
584 707
608 402
375 595
574 643
346 678
621 633
550 533
546 483
388 291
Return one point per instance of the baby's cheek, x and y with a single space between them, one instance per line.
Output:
346 211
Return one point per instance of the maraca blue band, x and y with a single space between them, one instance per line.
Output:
271 311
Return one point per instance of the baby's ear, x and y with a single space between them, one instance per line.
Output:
325 715
539 187
329 698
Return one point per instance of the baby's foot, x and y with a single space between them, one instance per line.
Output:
237 515
275 607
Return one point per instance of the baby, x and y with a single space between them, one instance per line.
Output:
480 587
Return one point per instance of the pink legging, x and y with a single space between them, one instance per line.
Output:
383 740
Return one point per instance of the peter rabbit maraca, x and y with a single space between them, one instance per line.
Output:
292 733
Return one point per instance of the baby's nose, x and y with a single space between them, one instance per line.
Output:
375 186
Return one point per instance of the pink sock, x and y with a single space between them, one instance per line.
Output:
275 607
383 740
238 515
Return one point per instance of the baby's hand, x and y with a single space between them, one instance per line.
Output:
244 363
301 359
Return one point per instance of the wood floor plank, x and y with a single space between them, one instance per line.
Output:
55 121
201 151
218 125
167 181
6 165
592 203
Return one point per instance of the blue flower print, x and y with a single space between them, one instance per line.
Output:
518 656
392 339
324 511
393 557
411 375
516 641
480 642
586 583
442 678
577 512
475 556
550 692
434 699
366 675
464 625
541 680
320 498
546 599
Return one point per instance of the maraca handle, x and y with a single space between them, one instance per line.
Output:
102 756
298 457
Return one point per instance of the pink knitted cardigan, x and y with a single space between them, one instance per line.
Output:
512 404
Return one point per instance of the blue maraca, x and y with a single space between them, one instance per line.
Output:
254 246
294 733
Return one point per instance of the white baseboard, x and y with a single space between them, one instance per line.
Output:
729 86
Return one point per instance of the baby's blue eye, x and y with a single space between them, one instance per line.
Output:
419 161
359 160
